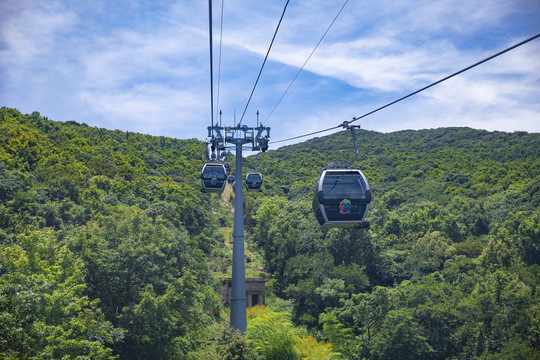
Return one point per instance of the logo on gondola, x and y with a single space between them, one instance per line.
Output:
213 181
345 207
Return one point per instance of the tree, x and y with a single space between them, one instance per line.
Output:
45 313
273 335
160 325
148 280
522 230
365 314
428 254
400 338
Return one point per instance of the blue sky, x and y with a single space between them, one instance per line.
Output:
143 66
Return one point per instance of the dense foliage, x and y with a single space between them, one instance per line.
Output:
451 263
109 250
104 236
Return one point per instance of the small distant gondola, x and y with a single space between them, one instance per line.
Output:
341 198
213 177
254 181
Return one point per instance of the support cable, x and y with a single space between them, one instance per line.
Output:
448 77
417 91
219 61
309 57
211 64
264 62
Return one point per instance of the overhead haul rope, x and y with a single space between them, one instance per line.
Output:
266 57
345 123
211 64
219 61
309 57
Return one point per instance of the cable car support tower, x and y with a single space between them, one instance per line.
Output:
238 136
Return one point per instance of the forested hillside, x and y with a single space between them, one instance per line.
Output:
450 266
104 239
108 249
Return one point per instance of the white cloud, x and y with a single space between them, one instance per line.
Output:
398 53
133 65
151 109
28 30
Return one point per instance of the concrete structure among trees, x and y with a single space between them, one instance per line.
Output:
255 291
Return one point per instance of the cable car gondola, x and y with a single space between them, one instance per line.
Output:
254 181
213 177
341 198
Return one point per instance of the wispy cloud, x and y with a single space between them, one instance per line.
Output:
145 67
29 33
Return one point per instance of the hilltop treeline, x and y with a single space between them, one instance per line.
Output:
108 248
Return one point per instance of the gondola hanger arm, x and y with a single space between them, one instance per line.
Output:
347 125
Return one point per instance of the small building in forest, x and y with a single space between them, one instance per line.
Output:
255 291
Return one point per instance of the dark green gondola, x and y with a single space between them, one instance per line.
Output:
341 198
254 181
213 177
